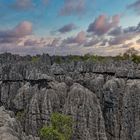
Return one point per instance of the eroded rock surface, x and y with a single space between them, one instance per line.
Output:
103 98
10 128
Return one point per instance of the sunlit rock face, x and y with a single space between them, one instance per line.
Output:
103 98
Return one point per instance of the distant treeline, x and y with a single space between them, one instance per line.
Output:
131 54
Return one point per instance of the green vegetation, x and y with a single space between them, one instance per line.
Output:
94 58
58 59
20 115
136 59
59 129
35 59
75 58
130 54
87 57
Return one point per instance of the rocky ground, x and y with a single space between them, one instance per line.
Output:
103 98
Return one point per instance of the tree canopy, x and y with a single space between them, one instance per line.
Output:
60 128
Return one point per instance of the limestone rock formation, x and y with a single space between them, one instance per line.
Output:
103 98
10 128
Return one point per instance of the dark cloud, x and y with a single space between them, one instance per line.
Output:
67 28
115 32
120 39
138 28
69 40
135 29
103 24
122 35
92 42
31 43
21 30
79 39
73 7
135 6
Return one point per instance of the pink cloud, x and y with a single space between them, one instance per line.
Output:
73 7
103 24
26 4
80 38
23 4
21 30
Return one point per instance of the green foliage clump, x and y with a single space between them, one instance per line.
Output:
59 129
87 57
51 134
75 58
58 59
35 59
136 58
130 54
20 115
94 58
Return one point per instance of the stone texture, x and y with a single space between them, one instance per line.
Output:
10 128
103 98
84 106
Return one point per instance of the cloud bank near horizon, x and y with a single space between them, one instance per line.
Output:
104 35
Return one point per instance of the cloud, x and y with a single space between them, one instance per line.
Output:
39 42
120 39
138 41
135 6
55 42
80 38
67 28
92 42
21 30
103 24
127 45
115 32
123 35
31 42
135 29
72 7
31 45
22 4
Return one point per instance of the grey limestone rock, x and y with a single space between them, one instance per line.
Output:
103 98
10 128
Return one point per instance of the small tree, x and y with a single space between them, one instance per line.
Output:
50 133
59 129
130 52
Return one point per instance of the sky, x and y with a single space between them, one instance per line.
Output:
64 27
